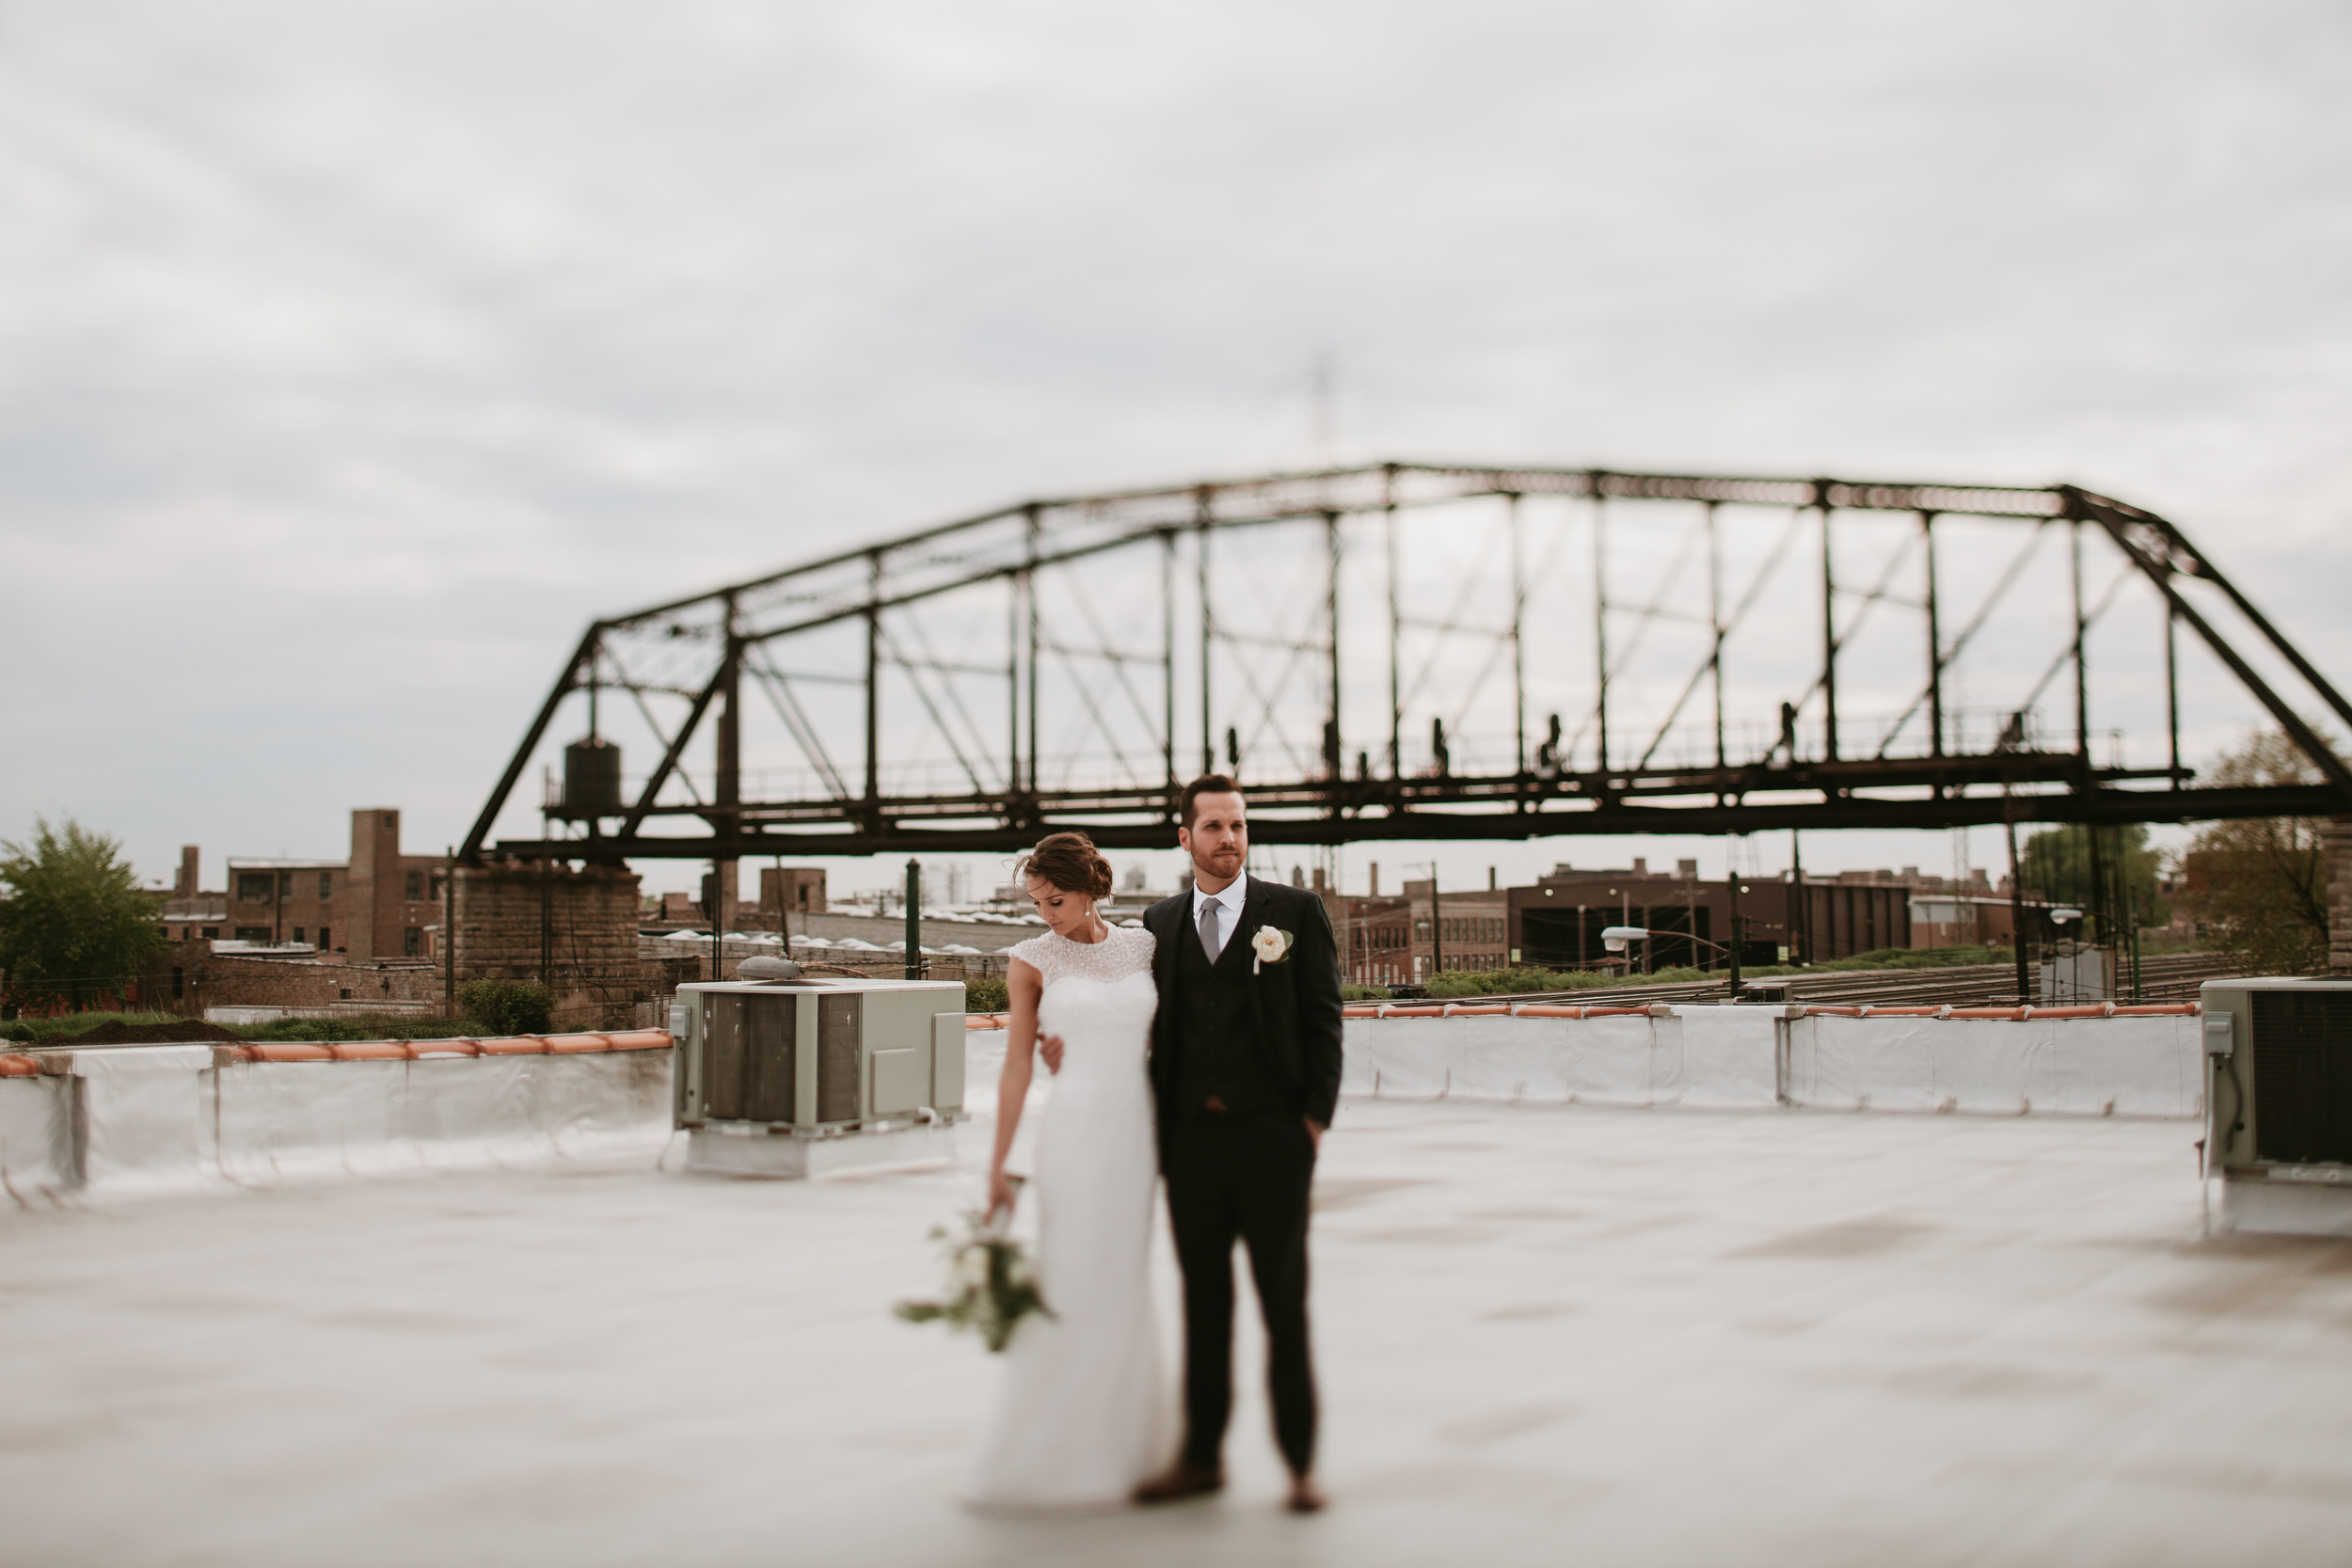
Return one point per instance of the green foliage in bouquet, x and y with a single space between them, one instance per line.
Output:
992 1284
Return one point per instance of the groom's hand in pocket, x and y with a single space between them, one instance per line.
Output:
1049 1049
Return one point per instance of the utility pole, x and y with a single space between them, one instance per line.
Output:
710 913
1735 920
914 919
2017 916
1437 924
449 936
546 923
1801 916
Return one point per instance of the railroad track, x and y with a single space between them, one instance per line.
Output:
2163 977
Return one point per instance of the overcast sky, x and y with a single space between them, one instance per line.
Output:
352 357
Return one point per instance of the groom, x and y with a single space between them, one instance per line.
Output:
1246 1068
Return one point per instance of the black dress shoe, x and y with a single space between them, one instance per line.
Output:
1178 1481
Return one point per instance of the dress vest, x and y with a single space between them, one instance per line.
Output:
1219 1028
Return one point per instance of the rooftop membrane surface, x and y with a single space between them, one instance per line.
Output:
1546 1335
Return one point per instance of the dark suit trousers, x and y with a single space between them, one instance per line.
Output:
1243 1175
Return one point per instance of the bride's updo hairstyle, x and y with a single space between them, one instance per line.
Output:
1070 863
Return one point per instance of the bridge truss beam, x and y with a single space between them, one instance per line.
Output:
1260 686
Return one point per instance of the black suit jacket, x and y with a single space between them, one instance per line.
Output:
1296 1002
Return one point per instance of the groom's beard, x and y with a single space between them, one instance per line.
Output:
1222 864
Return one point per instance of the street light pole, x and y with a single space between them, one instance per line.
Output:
914 919
1735 919
1437 924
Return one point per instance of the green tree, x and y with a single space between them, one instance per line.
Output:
76 929
2056 862
2261 884
508 1006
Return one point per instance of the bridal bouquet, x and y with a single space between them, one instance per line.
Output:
991 1285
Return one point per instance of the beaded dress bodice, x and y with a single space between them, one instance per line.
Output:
1123 951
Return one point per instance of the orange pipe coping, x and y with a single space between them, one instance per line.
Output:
2158 1009
420 1049
369 1051
286 1051
1481 1009
1827 1011
14 1066
2011 1014
391 1050
1616 1012
1425 1010
1360 1009
515 1045
2081 1011
1546 1009
1900 1012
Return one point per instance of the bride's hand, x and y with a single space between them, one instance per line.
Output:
1000 1192
1049 1051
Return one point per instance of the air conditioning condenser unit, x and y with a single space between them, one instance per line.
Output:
804 1076
2279 1103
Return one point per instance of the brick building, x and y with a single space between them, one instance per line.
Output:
377 903
366 933
571 929
787 891
188 913
1557 923
1451 930
1376 939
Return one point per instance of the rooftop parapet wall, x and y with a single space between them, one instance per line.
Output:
2073 1061
2094 1061
142 1120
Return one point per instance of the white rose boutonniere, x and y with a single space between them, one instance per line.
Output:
1270 946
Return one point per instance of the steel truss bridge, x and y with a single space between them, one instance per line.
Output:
1407 651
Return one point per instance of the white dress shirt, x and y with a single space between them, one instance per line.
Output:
1228 910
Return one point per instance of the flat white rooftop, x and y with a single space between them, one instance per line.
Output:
1547 1336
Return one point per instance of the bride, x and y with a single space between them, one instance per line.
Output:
1079 1416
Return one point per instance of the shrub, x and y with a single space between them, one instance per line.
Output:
986 994
369 1027
508 1006
65 1026
1513 982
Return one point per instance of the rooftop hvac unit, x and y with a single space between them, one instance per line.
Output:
796 1077
2279 1103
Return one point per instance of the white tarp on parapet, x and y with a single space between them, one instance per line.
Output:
136 1121
294 1120
1743 1057
2139 1067
1697 1056
36 1137
145 1122
1730 1056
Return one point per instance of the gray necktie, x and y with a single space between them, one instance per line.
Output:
1209 942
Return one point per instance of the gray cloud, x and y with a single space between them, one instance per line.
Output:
350 357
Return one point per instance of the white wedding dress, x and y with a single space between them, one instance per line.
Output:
1081 1413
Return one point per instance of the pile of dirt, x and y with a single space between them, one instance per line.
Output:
140 1033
